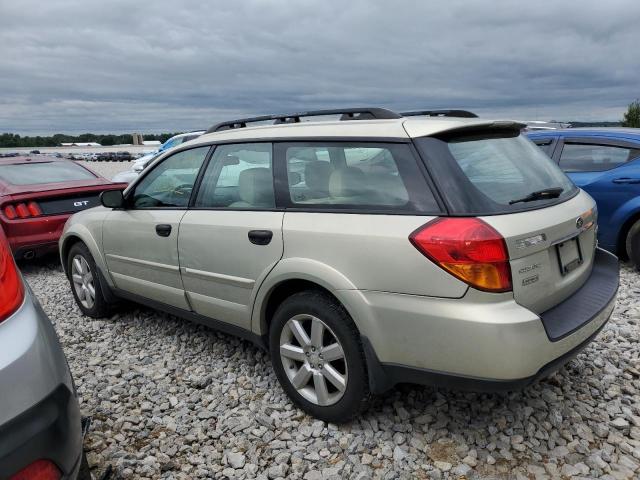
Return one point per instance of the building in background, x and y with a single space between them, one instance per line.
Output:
138 139
81 144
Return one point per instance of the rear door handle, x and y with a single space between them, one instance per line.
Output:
626 180
163 230
260 237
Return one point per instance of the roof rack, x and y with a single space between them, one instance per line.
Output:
440 113
346 114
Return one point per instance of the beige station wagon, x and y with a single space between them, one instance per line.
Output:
362 251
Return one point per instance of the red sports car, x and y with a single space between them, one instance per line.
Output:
38 194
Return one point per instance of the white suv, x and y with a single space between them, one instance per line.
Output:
361 253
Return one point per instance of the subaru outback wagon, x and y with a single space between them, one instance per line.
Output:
362 252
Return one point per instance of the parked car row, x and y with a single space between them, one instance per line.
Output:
145 160
103 156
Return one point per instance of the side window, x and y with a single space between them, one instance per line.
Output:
365 176
238 176
170 182
544 144
577 157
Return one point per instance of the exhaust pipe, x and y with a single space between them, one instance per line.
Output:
29 255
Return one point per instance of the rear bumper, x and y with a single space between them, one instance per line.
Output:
586 304
39 235
39 414
48 430
479 342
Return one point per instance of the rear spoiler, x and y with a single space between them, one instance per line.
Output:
414 130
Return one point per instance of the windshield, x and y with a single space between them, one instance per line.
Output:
496 173
43 172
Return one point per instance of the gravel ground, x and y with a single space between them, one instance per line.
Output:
170 399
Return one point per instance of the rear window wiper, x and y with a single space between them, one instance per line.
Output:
553 192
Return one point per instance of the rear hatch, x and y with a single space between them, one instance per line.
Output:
551 250
549 225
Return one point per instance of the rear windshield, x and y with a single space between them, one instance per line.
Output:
493 173
43 172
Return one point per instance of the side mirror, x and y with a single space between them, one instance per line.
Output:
112 199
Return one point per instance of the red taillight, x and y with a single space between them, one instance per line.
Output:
11 288
467 248
38 470
10 212
22 210
34 209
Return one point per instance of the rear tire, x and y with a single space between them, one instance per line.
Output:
318 357
85 282
633 244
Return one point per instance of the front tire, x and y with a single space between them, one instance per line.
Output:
633 244
85 282
318 357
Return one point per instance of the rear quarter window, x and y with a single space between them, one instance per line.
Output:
44 172
577 157
544 145
483 173
355 176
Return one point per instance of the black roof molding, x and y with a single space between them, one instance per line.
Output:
346 114
440 113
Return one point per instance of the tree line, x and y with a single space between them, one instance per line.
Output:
8 140
11 140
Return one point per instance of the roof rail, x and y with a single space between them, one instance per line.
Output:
440 113
346 114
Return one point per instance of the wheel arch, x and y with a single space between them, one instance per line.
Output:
294 275
277 291
621 244
76 233
65 247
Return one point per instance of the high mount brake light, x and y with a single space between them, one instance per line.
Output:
11 288
469 249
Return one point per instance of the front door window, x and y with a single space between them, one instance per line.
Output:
170 183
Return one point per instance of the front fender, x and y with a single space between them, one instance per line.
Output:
86 227
297 269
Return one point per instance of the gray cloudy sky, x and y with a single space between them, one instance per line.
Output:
120 66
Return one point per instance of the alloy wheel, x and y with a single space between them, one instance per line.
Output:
83 281
313 359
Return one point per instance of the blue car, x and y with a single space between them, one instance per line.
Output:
605 162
